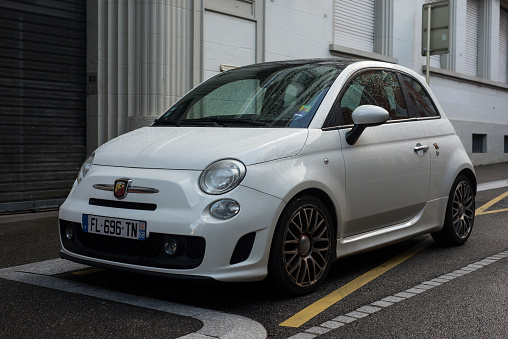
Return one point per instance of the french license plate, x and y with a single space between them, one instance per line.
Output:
115 227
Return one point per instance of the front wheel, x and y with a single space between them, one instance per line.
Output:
303 246
459 217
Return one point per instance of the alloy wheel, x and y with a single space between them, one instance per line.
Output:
306 248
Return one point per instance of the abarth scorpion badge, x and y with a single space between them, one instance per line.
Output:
122 188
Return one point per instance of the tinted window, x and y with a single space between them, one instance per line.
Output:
377 87
419 98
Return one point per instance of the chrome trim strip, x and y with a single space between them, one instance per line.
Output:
139 189
131 189
384 230
104 187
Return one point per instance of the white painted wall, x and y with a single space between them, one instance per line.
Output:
227 40
296 29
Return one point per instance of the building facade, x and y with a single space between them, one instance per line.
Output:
142 56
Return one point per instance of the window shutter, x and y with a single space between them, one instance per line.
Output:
503 46
354 24
472 37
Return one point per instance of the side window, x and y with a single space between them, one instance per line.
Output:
376 87
419 98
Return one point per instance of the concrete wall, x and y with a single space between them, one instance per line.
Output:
141 53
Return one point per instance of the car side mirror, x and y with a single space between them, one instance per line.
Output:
365 116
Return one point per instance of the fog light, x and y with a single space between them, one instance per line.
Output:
170 247
69 232
224 209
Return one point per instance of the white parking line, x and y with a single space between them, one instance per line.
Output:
492 185
376 306
215 324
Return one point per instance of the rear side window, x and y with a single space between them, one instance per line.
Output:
424 107
376 87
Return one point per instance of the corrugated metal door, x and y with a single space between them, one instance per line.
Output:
503 46
354 24
472 37
42 100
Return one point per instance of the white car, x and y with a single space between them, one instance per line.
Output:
274 169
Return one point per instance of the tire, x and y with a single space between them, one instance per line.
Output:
303 247
459 217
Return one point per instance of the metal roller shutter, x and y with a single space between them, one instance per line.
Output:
472 37
42 101
503 46
354 24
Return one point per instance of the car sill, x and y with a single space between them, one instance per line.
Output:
383 230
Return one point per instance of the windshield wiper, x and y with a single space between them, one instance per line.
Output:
211 121
185 122
224 121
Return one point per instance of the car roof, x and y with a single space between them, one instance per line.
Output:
341 62
337 61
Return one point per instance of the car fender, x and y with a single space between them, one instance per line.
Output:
317 170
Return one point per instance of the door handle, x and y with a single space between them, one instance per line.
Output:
420 149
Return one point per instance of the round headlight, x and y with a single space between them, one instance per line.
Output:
85 168
222 176
224 209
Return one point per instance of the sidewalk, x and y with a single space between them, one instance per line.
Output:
489 173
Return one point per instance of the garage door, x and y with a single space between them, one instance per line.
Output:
42 101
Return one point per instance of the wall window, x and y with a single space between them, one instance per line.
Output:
503 46
354 24
472 37
506 143
479 143
364 29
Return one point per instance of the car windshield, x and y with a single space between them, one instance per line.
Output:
269 95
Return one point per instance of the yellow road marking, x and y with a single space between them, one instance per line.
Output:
319 306
494 211
481 210
89 271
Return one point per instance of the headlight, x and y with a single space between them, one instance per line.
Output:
224 209
222 176
85 168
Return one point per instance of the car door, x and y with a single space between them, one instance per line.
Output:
388 168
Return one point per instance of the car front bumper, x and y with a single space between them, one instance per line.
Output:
235 249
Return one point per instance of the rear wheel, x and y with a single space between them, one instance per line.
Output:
459 217
303 246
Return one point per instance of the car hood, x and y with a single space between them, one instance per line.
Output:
194 148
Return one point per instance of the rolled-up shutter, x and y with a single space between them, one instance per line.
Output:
354 24
472 37
503 46
42 100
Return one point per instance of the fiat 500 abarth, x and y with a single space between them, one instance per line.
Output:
274 169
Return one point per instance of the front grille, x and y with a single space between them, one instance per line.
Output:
123 204
149 252
243 248
149 248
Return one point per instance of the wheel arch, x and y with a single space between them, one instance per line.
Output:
471 176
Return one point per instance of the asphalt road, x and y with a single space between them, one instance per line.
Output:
438 292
